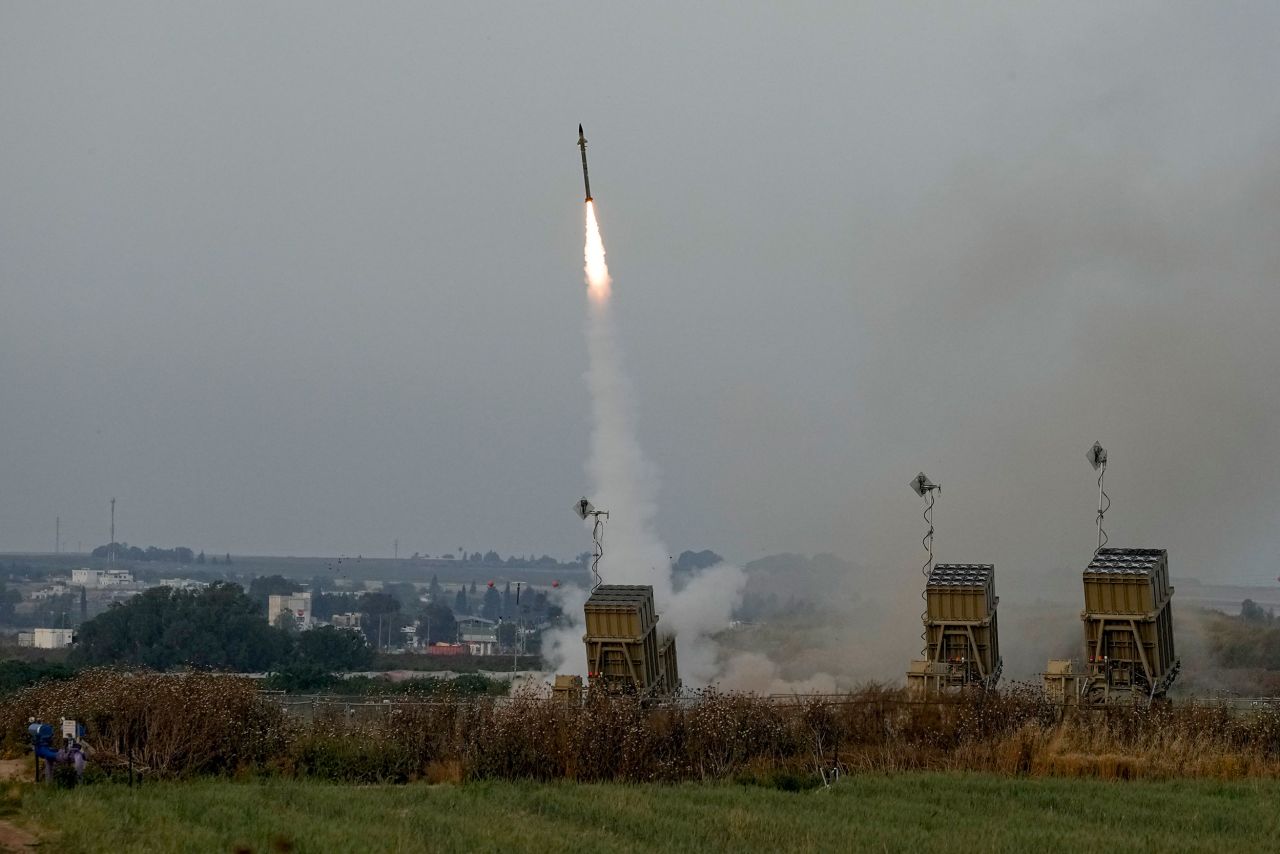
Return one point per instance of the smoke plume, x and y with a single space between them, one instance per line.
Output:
626 485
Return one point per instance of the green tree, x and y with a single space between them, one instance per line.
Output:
15 674
8 598
378 611
265 586
1252 612
333 649
437 624
491 607
286 622
405 594
54 611
218 627
373 604
325 605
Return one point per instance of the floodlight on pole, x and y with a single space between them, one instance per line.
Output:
1097 457
926 488
585 508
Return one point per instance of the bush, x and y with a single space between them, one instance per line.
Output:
301 678
179 726
172 725
15 674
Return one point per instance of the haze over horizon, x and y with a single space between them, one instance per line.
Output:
306 278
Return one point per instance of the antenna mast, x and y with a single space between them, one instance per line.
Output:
1097 457
926 488
585 508
111 549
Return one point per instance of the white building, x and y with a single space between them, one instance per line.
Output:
47 638
182 583
99 579
346 621
54 590
481 640
297 604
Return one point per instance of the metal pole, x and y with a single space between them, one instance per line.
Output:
1104 504
927 542
1101 475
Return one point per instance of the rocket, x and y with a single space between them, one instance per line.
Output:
582 144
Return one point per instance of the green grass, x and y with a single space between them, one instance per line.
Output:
917 813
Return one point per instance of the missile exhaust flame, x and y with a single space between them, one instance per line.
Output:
597 271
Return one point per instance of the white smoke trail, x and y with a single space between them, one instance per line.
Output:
627 486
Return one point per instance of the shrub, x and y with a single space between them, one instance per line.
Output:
204 724
172 725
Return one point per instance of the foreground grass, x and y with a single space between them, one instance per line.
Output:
914 812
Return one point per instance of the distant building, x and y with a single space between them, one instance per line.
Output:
346 621
54 590
182 583
479 635
469 623
297 604
47 638
481 641
101 579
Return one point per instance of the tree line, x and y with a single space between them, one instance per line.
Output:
217 628
492 558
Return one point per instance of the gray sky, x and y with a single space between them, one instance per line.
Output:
296 278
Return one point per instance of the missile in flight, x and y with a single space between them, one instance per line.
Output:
582 144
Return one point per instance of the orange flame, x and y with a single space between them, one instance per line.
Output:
598 280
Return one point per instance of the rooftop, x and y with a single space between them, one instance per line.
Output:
607 595
1127 561
961 574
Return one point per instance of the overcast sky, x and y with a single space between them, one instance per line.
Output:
301 278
